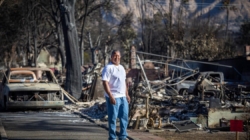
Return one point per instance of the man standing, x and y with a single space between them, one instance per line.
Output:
117 98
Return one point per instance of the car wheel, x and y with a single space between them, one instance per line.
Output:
3 103
183 92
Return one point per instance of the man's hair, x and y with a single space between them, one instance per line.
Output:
114 51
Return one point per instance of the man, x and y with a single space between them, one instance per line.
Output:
117 98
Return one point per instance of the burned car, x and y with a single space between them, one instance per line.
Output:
211 80
30 88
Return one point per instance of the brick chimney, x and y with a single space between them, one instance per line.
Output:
248 52
132 57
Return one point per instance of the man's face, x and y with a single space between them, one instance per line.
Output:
115 58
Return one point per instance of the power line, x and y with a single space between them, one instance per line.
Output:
209 63
197 4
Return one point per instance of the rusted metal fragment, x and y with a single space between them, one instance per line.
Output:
139 113
34 86
182 126
35 104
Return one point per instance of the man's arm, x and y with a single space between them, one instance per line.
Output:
127 95
107 90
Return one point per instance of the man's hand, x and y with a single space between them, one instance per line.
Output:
112 100
128 98
107 89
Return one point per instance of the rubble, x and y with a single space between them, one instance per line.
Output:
207 93
96 110
183 99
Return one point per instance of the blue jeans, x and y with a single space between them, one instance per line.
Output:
120 110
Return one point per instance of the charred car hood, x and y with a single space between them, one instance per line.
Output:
33 87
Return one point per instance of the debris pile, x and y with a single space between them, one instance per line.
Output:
190 100
179 98
97 111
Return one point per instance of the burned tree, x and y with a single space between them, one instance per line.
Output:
73 67
55 16
126 34
89 9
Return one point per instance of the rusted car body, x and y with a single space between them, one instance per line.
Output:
30 88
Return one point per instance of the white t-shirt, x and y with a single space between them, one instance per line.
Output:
115 76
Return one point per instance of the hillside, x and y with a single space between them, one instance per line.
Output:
238 13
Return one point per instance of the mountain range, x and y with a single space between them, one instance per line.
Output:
238 10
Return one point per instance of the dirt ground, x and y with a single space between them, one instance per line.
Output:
202 135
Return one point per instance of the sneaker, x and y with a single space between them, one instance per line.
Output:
124 139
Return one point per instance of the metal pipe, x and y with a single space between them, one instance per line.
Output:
144 73
240 74
186 64
169 65
186 59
